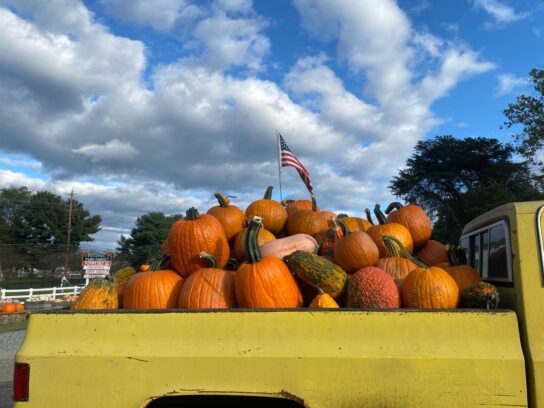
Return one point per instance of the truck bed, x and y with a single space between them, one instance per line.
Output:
310 358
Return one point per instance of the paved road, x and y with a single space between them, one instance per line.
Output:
9 344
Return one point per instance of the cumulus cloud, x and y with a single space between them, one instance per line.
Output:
507 83
206 121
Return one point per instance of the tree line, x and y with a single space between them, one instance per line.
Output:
34 228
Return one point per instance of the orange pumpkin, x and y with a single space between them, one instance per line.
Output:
19 307
273 214
264 282
309 222
396 266
356 224
238 246
399 231
230 216
145 267
355 251
154 289
463 275
427 287
412 217
208 288
8 308
432 253
292 206
195 234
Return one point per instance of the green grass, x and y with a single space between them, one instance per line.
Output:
13 326
25 283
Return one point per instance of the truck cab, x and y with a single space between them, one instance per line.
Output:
506 247
315 358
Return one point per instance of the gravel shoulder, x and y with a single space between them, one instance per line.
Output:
9 344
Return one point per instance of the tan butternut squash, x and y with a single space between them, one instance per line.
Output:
282 247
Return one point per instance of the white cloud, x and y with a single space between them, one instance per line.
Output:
508 83
232 42
162 15
501 12
191 128
110 151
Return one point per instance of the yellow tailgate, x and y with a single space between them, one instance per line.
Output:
339 358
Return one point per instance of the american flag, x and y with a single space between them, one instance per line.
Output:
288 159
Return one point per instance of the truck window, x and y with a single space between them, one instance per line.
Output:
486 250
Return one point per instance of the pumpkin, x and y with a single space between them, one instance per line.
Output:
432 253
384 227
120 278
19 307
230 216
463 275
8 308
292 206
355 223
479 295
153 289
145 267
323 301
195 234
372 288
396 266
427 287
284 246
327 239
208 288
309 222
264 282
98 294
414 218
355 251
273 214
317 271
238 245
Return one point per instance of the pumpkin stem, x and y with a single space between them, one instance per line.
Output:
314 203
221 200
369 216
393 206
268 193
285 203
251 242
212 262
390 246
342 225
232 264
453 255
380 215
407 254
158 262
191 214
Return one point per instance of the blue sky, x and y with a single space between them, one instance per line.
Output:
152 105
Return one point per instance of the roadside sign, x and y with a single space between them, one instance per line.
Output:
96 266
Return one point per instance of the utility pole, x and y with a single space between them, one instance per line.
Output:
69 232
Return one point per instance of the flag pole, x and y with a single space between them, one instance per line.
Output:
279 161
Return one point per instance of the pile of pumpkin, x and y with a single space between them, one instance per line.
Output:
11 307
292 254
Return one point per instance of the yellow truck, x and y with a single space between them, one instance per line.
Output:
309 358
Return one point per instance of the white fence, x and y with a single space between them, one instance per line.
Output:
41 293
